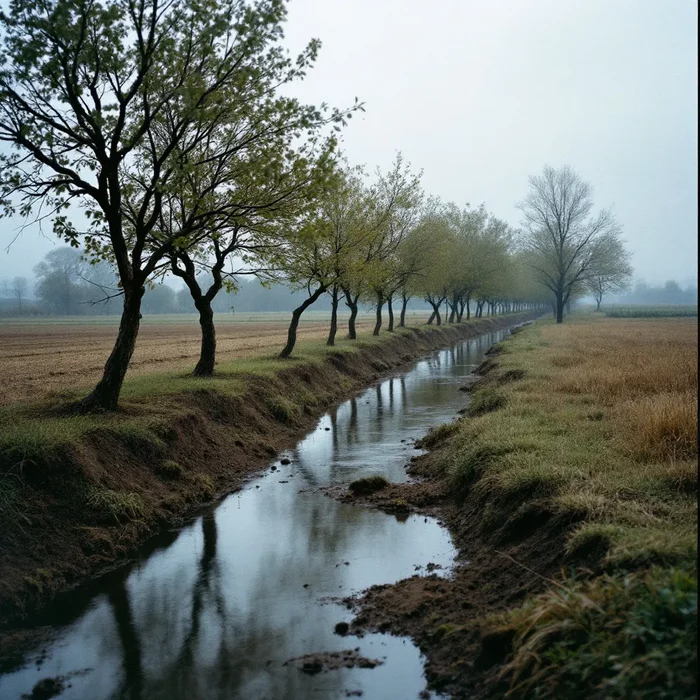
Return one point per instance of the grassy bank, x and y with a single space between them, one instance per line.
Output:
571 487
78 494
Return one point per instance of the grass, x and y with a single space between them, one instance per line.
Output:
661 311
368 484
596 420
115 505
620 636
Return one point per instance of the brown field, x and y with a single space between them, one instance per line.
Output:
38 358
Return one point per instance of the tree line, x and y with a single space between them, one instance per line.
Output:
169 124
65 283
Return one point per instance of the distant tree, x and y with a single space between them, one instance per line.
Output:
560 231
611 271
59 281
673 294
19 286
159 299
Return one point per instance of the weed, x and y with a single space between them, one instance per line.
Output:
170 469
439 434
116 505
283 410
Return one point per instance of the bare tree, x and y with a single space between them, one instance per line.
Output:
561 232
611 271
19 287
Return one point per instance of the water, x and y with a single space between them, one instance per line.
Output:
214 609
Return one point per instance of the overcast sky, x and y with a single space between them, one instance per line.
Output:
481 93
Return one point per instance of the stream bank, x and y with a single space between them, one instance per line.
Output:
577 549
78 507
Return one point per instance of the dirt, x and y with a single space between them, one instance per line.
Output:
43 358
57 542
332 661
493 572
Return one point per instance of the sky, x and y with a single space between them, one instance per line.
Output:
479 94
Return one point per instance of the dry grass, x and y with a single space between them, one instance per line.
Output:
602 430
662 426
37 359
603 424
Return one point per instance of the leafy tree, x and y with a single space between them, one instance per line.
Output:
561 233
86 91
59 278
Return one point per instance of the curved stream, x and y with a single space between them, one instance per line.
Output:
214 609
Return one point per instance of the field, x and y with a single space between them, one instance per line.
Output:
38 357
660 311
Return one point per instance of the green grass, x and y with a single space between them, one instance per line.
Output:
661 311
617 636
115 505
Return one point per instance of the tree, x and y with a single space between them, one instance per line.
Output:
560 232
19 286
398 205
59 278
86 91
611 271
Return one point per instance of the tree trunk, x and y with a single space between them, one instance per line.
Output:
559 309
334 317
453 309
432 317
598 301
207 352
402 318
390 311
352 305
296 315
378 324
436 313
105 396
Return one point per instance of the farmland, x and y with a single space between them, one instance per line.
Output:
655 311
38 357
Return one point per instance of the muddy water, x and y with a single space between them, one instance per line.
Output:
215 609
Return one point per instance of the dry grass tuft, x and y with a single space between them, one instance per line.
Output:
663 426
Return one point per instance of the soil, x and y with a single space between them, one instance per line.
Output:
37 359
332 661
209 449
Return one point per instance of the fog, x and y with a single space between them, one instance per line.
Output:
481 94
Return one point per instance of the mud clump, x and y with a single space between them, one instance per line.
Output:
369 484
332 661
46 688
342 628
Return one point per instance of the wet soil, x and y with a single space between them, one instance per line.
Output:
496 569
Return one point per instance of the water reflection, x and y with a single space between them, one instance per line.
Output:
216 609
